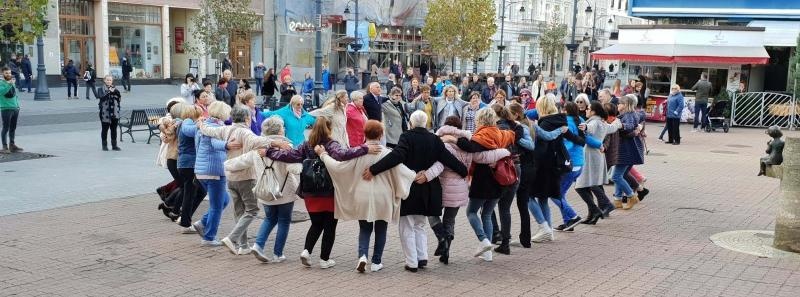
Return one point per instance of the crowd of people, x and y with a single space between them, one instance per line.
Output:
412 157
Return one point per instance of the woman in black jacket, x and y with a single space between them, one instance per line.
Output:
418 149
269 85
109 111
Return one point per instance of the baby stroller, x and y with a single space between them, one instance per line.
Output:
716 116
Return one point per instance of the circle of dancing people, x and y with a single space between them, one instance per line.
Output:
412 156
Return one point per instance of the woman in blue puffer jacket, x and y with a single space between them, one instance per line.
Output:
576 125
210 171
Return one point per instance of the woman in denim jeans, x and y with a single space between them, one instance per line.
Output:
631 150
278 211
210 171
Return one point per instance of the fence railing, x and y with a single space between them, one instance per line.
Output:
764 109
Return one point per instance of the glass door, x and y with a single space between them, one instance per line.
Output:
75 50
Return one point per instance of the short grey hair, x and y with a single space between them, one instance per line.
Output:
418 119
356 94
240 114
272 126
219 110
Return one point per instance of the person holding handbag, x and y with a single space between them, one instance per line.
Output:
109 106
320 206
278 208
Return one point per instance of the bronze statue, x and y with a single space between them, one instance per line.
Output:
774 150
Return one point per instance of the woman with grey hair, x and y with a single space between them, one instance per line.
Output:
240 182
109 106
418 149
278 209
356 119
334 111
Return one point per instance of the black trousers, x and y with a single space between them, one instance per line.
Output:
523 195
673 128
193 194
104 133
126 83
10 117
599 193
72 87
90 89
447 221
175 199
504 208
321 223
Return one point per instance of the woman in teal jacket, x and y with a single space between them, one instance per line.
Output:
295 120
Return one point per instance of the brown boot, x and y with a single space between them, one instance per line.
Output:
14 148
617 204
626 203
633 200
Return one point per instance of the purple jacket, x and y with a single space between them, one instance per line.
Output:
335 150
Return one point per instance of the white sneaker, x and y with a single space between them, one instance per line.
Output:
375 267
258 252
304 258
485 245
188 230
229 244
694 130
278 259
214 242
487 256
243 251
543 236
198 226
362 264
326 264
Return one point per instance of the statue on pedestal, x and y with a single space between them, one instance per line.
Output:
774 150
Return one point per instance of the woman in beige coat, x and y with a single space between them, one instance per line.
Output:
334 110
278 211
373 203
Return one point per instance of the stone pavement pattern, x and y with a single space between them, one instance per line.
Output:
705 186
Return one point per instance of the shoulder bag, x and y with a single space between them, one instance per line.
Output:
267 187
314 179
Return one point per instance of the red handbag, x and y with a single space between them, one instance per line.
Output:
504 172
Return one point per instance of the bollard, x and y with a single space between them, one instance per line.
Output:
787 222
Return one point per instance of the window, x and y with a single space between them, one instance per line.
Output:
134 14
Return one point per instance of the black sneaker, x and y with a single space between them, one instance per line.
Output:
561 227
572 223
422 263
411 269
642 194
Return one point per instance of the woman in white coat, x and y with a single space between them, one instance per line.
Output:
278 211
373 203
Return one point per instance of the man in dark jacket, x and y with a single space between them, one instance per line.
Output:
221 93
71 74
350 82
373 101
487 95
127 68
423 69
27 71
418 149
703 88
89 77
233 85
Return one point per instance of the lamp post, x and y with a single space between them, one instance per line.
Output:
502 46
318 56
42 92
593 41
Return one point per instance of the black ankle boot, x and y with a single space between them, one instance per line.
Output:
497 237
445 257
440 247
503 248
438 230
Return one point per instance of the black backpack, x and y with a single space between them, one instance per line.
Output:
314 179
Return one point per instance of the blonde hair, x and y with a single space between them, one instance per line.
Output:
630 102
188 111
449 87
219 110
296 99
546 105
485 117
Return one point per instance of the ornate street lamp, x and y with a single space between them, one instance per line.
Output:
42 92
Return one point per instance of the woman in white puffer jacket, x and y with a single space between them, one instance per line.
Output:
455 189
278 211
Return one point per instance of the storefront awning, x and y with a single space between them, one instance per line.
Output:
681 53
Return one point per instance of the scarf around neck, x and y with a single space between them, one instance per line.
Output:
492 137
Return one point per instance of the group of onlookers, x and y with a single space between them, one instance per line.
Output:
409 158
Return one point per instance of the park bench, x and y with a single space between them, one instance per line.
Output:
142 120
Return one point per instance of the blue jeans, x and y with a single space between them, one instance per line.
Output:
545 209
567 212
536 210
698 109
277 215
621 186
365 231
481 225
217 201
259 84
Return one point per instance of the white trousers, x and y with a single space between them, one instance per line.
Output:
414 238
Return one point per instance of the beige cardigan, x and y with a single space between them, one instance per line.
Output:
251 160
338 119
249 141
378 199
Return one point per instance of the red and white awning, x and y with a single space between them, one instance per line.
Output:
682 53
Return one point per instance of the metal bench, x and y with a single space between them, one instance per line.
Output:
148 118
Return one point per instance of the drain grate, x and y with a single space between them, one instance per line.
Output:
22 156
725 152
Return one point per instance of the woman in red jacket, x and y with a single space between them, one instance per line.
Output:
356 118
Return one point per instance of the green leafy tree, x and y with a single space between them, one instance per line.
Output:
22 20
460 28
794 70
217 20
552 41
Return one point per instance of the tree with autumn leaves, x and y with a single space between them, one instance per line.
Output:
216 21
460 28
22 20
552 41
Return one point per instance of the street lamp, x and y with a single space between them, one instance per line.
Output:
593 41
356 45
572 46
42 92
502 47
318 56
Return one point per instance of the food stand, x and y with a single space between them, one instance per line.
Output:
678 54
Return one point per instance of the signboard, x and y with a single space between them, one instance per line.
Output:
781 9
734 76
179 40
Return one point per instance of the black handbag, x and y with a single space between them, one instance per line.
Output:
314 179
563 160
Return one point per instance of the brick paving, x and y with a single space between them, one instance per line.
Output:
124 247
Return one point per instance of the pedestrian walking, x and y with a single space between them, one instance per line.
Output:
9 109
127 68
70 72
350 82
27 72
703 90
89 77
110 100
258 74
